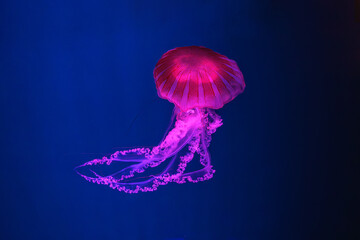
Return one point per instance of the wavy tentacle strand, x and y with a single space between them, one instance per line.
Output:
191 135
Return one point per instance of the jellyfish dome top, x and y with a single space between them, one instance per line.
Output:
197 80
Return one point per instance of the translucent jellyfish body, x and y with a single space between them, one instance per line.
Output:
197 80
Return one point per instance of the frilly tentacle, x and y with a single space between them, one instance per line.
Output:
192 130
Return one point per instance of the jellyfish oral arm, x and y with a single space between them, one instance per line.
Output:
190 135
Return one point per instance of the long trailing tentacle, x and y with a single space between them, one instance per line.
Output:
192 131
127 179
211 121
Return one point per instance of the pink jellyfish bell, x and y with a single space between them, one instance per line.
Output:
197 77
197 80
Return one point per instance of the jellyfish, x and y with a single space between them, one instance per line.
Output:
197 81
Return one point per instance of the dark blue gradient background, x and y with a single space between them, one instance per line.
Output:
75 74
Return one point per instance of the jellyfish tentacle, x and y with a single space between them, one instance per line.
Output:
203 174
150 184
211 121
193 130
183 160
186 125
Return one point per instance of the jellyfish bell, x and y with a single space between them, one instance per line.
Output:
197 80
197 77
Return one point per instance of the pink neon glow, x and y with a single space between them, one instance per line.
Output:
194 76
196 79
